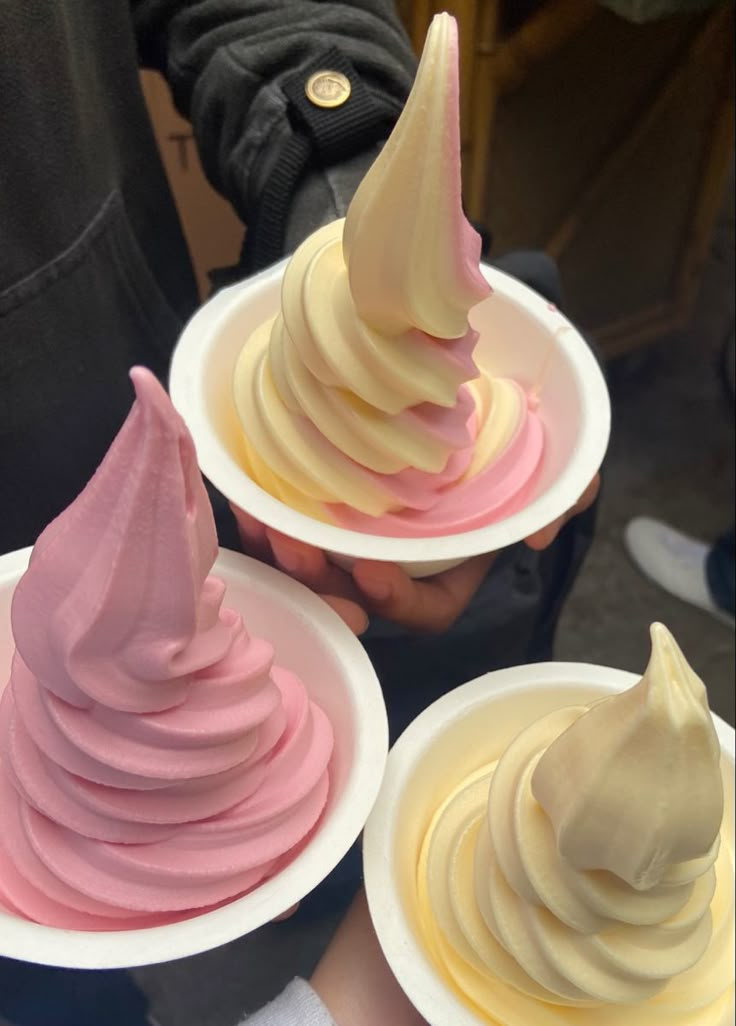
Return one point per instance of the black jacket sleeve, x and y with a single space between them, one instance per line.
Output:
227 62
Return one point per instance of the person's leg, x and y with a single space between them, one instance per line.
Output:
719 569
36 995
559 565
686 567
558 569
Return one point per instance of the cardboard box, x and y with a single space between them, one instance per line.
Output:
213 232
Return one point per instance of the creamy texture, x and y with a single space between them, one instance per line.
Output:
154 760
359 401
587 875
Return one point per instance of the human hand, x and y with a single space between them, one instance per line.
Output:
433 604
304 563
542 539
429 605
353 979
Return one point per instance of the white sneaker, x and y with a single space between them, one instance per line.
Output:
674 561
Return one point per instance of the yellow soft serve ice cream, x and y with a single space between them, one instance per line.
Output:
586 876
360 401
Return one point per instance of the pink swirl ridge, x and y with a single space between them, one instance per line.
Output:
360 401
153 760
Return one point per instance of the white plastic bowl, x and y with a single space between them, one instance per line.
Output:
457 734
312 640
521 336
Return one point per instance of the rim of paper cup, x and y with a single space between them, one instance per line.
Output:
186 387
409 961
83 949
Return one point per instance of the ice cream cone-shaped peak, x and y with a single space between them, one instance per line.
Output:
153 759
634 785
412 257
355 400
591 865
124 570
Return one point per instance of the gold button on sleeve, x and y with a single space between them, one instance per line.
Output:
327 88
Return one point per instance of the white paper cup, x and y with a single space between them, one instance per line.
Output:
521 336
310 639
463 730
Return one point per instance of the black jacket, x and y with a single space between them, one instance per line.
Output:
94 272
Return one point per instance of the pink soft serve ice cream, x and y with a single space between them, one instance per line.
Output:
154 762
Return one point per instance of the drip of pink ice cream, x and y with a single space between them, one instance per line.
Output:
360 401
154 761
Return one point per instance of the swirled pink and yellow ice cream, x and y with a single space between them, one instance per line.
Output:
360 402
153 760
586 877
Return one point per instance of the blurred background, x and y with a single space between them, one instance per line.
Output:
606 140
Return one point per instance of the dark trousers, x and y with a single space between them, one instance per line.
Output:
719 568
32 995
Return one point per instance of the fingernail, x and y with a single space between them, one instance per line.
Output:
290 561
375 588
